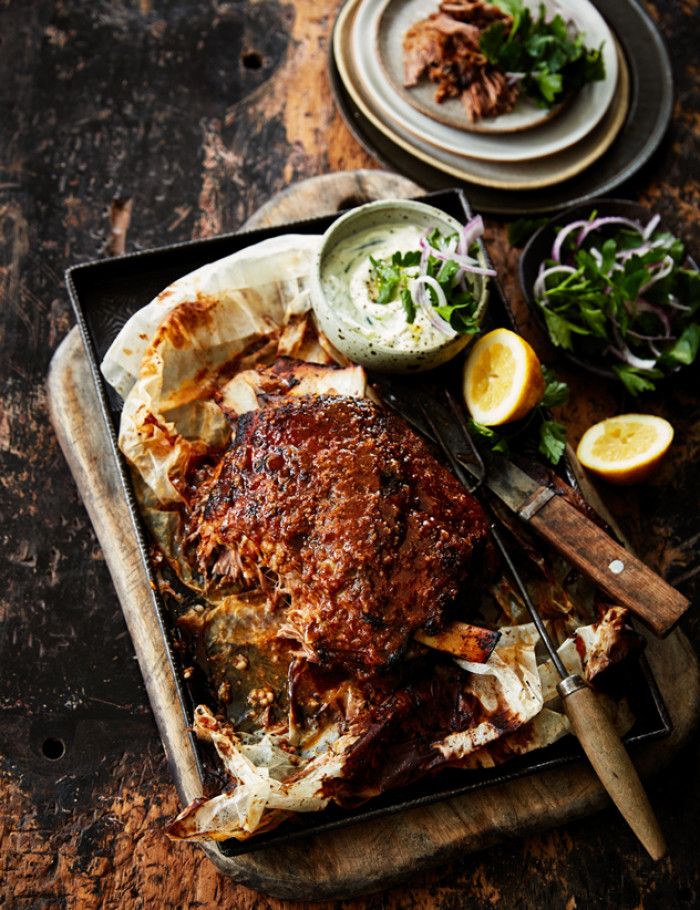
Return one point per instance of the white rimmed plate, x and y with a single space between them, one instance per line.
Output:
530 174
495 143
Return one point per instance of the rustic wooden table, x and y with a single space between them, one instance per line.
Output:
196 113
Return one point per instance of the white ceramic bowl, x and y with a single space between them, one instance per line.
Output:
347 336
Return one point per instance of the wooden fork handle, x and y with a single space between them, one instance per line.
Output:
611 762
625 579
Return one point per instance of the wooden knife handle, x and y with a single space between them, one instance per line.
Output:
625 579
611 762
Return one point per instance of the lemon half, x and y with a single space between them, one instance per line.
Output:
625 449
503 378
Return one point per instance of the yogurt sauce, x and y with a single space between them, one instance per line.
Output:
345 282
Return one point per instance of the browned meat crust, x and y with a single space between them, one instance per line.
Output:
477 12
345 511
445 48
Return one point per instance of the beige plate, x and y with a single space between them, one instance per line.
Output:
391 19
523 175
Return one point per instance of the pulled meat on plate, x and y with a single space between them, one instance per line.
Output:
445 48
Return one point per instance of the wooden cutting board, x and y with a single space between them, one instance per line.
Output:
381 853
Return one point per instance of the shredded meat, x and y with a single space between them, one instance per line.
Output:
445 47
344 510
476 12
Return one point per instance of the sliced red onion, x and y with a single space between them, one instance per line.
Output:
422 299
472 230
662 273
423 242
603 222
588 226
624 255
640 250
675 304
456 251
649 341
643 306
628 357
624 353
462 246
466 263
640 337
453 245
666 265
452 250
651 227
561 237
539 286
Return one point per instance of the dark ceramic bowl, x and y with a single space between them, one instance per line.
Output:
540 245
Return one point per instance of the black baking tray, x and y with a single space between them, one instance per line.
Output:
104 295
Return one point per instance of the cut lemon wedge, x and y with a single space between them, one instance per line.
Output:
503 378
625 449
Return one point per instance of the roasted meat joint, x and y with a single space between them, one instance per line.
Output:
341 615
340 512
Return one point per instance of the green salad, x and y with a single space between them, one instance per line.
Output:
548 58
621 295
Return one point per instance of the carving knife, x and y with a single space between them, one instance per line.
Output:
623 577
589 721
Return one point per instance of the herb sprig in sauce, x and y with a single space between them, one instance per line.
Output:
437 278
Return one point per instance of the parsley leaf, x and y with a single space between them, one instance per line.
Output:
408 306
497 441
549 85
480 429
636 380
552 440
515 9
685 349
554 62
555 393
384 278
551 435
559 329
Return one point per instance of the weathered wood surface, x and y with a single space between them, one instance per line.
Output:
198 113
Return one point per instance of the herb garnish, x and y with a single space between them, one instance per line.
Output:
619 294
551 433
550 58
395 278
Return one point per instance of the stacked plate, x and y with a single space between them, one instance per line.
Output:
528 149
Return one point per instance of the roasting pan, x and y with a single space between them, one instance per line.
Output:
104 295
